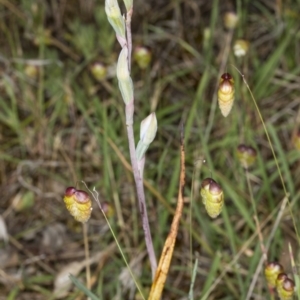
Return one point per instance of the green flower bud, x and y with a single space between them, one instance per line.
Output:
125 81
114 17
128 4
147 135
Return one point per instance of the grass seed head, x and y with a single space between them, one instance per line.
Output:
226 94
78 203
212 197
240 47
272 270
230 20
285 287
98 71
246 155
142 56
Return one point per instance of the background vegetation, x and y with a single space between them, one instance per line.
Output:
60 125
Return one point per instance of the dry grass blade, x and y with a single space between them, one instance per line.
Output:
167 253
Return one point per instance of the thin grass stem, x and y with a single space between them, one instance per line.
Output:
96 198
194 273
87 255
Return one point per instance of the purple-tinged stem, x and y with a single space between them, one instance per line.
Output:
129 36
141 196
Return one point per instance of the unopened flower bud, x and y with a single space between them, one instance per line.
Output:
226 94
240 47
147 134
230 20
285 287
98 70
128 4
125 81
246 155
114 17
142 56
78 203
212 197
272 270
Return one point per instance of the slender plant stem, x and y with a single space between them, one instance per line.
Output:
126 88
87 255
194 273
137 173
141 198
129 36
96 197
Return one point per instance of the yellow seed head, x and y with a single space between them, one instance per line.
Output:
272 270
230 20
204 189
285 287
226 94
212 197
240 47
78 204
246 155
99 71
142 56
31 71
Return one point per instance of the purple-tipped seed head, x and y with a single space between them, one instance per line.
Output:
82 196
214 188
206 182
70 191
226 76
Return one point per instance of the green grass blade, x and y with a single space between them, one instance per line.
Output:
282 159
191 292
268 68
83 288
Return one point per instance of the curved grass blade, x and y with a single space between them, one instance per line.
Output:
83 288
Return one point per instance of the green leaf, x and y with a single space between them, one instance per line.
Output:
83 288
